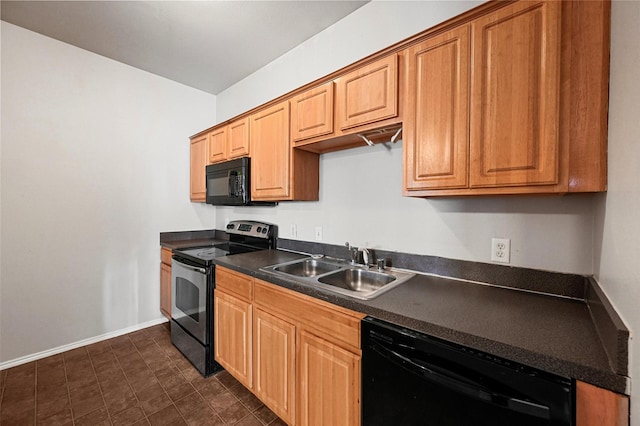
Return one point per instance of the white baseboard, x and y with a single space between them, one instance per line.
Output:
78 344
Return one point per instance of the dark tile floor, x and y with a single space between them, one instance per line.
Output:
136 379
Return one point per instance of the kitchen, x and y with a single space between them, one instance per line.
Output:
360 189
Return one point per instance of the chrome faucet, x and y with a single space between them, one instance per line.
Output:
353 252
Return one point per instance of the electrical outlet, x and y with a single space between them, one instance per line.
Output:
500 250
293 230
318 233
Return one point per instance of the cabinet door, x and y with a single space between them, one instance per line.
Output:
328 383
238 138
274 363
515 96
436 127
600 407
233 336
199 158
312 113
218 145
270 153
165 290
368 94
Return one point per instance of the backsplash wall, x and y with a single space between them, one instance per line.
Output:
361 202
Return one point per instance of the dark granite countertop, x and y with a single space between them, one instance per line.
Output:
188 239
550 332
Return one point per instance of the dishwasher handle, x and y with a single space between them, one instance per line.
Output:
456 383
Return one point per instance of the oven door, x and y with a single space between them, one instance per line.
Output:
189 298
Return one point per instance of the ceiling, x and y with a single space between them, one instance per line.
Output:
208 45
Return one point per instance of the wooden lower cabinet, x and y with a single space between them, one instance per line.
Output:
328 383
274 352
300 356
233 330
165 282
600 407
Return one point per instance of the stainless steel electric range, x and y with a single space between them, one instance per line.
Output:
193 284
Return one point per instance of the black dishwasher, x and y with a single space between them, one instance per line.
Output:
409 378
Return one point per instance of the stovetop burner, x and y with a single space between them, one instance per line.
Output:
244 237
206 253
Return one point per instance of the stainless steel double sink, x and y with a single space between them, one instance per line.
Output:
357 281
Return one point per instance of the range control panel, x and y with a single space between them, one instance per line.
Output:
250 228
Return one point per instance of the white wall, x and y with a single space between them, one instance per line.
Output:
368 29
95 164
617 228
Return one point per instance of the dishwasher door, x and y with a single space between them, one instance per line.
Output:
409 378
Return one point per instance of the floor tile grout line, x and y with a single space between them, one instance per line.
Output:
95 373
66 384
172 401
127 378
163 388
161 339
35 393
2 373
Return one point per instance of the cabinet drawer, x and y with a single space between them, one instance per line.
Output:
234 282
165 255
340 325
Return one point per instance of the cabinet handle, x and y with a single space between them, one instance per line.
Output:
395 135
393 139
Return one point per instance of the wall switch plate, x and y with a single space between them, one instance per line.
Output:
501 250
318 233
293 230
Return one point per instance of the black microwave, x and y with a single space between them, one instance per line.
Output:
229 184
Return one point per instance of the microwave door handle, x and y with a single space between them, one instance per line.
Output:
231 183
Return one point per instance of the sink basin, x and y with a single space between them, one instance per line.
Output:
338 277
307 268
358 279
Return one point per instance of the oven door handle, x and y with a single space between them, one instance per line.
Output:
193 268
460 384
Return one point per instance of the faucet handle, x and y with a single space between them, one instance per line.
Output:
365 256
381 264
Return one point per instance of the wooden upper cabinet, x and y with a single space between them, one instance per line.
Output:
218 145
229 141
199 157
238 138
515 95
436 125
278 171
368 94
537 97
270 153
312 113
